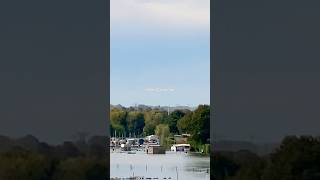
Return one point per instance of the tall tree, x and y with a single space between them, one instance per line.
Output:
184 124
201 124
162 131
297 158
135 122
118 121
172 120
152 119
197 124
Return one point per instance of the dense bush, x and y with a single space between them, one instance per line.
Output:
297 158
23 159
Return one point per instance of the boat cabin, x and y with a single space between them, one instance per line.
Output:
180 147
155 149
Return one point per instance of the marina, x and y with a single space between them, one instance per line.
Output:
144 158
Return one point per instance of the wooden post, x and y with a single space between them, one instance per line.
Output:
177 172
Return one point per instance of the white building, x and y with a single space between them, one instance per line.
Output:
180 147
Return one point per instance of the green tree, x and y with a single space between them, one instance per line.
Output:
172 120
297 158
118 121
19 164
163 132
152 119
135 121
184 124
196 123
200 125
251 165
223 166
81 169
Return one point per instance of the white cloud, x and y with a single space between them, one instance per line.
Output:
158 90
177 14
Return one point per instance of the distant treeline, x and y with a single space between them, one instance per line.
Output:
29 159
147 121
297 158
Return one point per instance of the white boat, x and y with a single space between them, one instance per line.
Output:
180 147
125 147
152 139
131 141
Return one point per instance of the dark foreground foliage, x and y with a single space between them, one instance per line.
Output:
29 159
297 158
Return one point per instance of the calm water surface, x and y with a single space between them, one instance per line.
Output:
174 165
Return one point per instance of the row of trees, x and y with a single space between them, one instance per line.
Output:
297 158
27 158
129 121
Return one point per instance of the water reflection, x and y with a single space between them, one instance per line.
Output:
171 165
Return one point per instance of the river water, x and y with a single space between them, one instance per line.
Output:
172 165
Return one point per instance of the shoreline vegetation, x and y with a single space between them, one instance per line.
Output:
141 121
28 158
296 158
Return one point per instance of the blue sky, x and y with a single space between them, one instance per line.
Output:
160 52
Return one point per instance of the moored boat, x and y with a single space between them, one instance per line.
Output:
180 147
